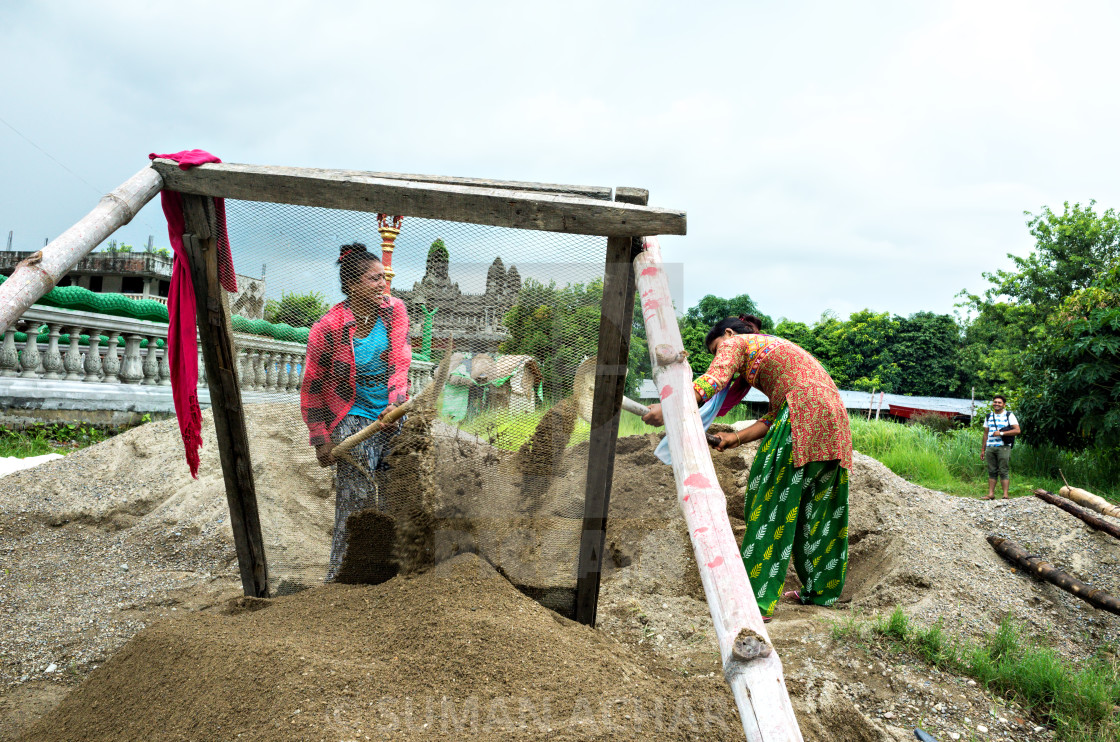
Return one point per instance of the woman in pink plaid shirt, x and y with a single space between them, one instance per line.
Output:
356 372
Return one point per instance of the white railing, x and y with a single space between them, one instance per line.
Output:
264 364
148 297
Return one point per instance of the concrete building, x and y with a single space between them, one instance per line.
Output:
140 275
475 320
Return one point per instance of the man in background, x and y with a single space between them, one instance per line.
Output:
1000 429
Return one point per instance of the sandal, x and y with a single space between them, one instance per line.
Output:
767 619
792 595
989 497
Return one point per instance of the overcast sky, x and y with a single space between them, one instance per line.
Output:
829 155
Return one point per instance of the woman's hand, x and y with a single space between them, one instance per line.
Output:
726 441
654 416
323 453
389 408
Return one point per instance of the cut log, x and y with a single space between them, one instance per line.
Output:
757 682
1098 523
1019 556
1089 500
34 277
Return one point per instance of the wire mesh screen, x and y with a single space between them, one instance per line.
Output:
485 332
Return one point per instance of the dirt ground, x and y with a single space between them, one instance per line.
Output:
119 584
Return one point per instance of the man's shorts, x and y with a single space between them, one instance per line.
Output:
998 459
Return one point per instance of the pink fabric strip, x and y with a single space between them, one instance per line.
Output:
182 344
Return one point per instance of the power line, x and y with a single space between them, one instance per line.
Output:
58 162
51 157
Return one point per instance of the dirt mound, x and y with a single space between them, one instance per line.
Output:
139 481
456 653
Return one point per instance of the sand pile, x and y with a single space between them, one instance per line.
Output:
71 527
457 653
139 480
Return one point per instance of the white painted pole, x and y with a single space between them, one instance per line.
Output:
39 273
757 683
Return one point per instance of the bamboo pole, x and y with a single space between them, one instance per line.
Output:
1098 523
1017 555
755 677
39 273
1089 500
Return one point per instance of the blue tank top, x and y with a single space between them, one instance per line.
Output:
371 363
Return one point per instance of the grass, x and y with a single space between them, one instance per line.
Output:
950 461
39 439
1077 699
510 431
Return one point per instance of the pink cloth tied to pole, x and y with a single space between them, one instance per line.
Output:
182 343
735 393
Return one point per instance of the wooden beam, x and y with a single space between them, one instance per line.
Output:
601 193
611 361
39 273
756 679
499 207
216 337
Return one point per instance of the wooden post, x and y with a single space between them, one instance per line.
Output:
216 338
610 377
871 403
757 682
880 407
39 273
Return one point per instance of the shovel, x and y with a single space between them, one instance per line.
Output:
583 392
426 397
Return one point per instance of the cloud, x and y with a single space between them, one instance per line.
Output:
829 155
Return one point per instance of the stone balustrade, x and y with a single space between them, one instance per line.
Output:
116 354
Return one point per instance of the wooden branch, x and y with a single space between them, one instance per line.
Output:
1099 524
500 207
216 339
758 684
1089 500
33 278
615 322
1017 555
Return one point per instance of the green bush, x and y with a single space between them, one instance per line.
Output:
933 421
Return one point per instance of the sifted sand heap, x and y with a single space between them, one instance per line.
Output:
456 653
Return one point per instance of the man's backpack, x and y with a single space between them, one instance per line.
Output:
1008 440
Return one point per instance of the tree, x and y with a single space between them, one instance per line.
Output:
712 309
297 310
1072 378
557 326
698 321
1071 250
926 349
857 353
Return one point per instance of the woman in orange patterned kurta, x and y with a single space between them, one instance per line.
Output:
797 494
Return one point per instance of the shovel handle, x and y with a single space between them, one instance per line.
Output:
634 407
396 414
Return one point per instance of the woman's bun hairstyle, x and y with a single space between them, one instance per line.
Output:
352 260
